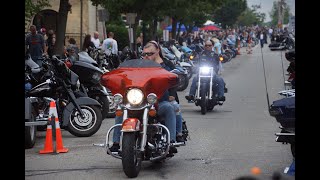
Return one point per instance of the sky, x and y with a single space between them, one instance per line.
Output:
266 6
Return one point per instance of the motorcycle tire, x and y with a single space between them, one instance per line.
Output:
131 156
89 125
183 82
30 132
203 101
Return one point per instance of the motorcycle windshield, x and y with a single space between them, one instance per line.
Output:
146 75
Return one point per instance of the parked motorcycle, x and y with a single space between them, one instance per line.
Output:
137 84
281 42
290 56
89 75
81 116
284 112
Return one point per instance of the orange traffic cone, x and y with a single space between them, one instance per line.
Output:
48 144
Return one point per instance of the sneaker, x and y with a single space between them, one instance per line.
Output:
115 148
180 139
190 98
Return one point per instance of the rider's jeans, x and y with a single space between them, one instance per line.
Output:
219 88
165 110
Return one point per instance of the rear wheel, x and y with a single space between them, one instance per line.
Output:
131 155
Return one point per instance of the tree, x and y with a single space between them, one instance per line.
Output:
228 13
251 16
32 8
64 9
274 14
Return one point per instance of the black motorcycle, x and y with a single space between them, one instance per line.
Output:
284 112
206 95
81 116
281 42
89 75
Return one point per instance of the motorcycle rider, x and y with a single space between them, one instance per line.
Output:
211 56
152 51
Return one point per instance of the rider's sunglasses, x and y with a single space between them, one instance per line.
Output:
147 54
208 45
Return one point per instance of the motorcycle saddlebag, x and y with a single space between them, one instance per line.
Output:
284 111
290 55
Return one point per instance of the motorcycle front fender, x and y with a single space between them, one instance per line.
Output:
80 101
131 125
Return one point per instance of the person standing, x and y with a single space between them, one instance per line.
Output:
36 45
50 42
261 35
95 39
110 45
110 48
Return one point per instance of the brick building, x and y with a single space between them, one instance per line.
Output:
47 18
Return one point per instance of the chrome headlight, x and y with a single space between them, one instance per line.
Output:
152 98
204 70
117 98
135 96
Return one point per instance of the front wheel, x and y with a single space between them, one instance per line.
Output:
30 132
87 126
203 102
131 155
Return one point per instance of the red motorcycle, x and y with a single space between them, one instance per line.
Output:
137 85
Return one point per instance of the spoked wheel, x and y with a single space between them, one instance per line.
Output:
87 126
131 155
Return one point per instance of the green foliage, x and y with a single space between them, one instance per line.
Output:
274 14
229 11
120 34
251 16
33 7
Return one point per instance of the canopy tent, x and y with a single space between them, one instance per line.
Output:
208 22
182 28
210 28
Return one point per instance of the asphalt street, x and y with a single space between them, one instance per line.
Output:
224 144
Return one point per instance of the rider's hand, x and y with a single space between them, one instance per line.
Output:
171 98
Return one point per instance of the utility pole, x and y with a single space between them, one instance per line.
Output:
281 4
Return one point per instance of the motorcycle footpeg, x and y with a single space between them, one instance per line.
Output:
177 144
